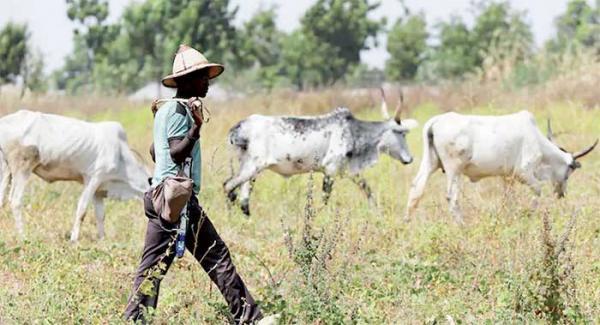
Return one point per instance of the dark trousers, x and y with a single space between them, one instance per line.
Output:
203 241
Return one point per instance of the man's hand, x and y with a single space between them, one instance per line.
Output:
154 107
195 106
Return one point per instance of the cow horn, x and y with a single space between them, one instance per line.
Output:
399 108
384 108
550 134
584 152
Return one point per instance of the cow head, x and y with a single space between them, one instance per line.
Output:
561 172
138 172
132 181
393 140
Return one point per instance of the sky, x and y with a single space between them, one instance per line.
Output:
51 30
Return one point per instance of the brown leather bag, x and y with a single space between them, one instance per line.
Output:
170 197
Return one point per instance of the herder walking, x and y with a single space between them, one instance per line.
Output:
177 125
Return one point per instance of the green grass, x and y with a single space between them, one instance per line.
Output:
375 268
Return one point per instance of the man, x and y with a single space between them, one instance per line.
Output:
176 133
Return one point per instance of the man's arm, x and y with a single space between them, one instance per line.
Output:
181 148
152 152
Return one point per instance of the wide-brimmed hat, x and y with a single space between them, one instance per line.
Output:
188 60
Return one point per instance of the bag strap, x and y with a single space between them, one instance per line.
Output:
186 167
205 112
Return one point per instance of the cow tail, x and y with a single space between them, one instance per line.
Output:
431 157
3 163
239 143
4 176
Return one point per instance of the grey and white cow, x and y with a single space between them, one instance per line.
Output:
59 148
331 143
484 146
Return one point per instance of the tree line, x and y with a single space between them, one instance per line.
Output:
324 50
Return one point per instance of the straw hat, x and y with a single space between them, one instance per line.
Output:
188 60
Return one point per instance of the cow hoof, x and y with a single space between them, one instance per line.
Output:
246 210
232 196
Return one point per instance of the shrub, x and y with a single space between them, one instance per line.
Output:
549 289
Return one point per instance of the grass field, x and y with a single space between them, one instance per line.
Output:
345 262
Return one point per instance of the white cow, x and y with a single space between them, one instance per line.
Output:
330 143
58 148
483 146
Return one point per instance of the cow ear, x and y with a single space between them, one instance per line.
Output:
409 124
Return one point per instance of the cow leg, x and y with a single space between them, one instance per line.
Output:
245 191
99 213
232 197
246 174
327 188
417 188
4 182
536 187
364 187
247 171
84 200
537 190
452 196
534 184
17 189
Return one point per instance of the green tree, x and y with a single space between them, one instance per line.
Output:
260 40
454 56
76 71
91 15
119 71
151 32
91 37
363 76
33 73
141 44
501 31
206 25
407 44
337 30
579 26
260 51
157 27
499 40
140 48
13 50
304 62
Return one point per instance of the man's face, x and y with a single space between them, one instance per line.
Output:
200 84
195 84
